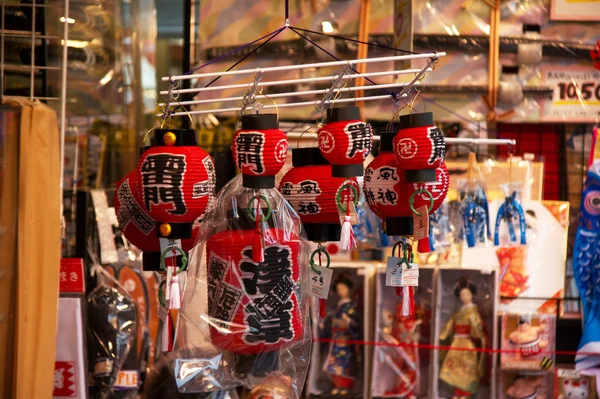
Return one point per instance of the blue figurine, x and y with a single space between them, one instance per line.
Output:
509 211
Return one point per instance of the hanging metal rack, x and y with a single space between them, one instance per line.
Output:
259 72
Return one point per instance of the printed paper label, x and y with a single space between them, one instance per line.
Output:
421 224
319 283
393 272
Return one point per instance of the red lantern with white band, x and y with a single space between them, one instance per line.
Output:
419 147
259 150
177 181
345 141
316 195
255 303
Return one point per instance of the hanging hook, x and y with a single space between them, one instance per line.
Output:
336 85
249 100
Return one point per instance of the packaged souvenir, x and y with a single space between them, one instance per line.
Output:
338 366
401 368
527 342
525 385
464 329
244 313
571 383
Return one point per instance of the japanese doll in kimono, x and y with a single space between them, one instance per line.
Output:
405 333
342 326
462 369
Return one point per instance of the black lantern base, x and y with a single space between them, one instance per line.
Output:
322 232
179 231
250 181
258 364
347 170
151 261
399 226
416 120
419 175
339 114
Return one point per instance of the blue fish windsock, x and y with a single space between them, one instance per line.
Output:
586 267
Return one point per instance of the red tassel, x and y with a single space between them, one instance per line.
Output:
258 254
408 301
322 307
398 291
423 245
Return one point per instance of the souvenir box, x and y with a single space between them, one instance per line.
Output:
526 342
403 371
525 385
340 368
571 383
465 323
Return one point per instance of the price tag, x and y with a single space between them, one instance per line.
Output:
576 96
166 243
393 272
410 275
319 283
127 379
421 223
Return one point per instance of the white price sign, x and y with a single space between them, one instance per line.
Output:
576 96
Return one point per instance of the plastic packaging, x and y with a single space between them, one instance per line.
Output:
510 90
401 369
515 385
465 320
532 336
245 319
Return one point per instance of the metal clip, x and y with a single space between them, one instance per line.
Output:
336 84
249 100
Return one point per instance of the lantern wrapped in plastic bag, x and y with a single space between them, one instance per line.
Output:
316 195
244 318
345 141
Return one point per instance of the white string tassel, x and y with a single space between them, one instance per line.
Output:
175 298
348 241
405 302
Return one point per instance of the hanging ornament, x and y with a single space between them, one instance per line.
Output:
316 195
419 147
510 211
177 181
138 226
259 150
256 303
345 141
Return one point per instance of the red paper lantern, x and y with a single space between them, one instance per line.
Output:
313 193
345 141
138 226
259 150
254 306
419 147
177 180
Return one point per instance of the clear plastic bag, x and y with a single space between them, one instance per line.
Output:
244 321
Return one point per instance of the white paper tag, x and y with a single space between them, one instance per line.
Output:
393 272
319 283
410 270
168 284
166 243
162 313
408 281
352 214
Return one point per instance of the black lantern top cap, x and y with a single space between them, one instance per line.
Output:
183 137
386 141
416 120
340 114
259 122
307 157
